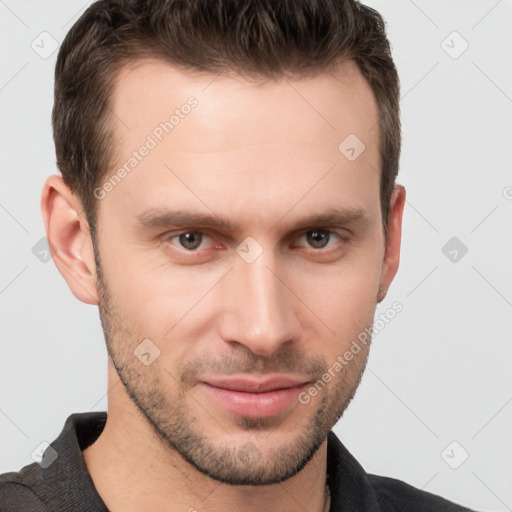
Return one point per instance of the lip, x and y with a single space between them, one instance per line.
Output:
255 386
255 398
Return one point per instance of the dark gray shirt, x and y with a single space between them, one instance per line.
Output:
64 484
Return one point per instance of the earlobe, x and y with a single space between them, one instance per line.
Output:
69 238
392 254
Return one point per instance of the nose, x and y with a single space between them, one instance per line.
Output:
260 311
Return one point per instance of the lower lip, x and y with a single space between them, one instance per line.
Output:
255 405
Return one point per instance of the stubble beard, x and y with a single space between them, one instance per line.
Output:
232 462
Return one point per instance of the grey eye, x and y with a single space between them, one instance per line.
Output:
191 239
318 239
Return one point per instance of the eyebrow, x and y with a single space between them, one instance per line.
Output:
159 218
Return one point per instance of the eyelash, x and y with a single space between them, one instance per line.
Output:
342 237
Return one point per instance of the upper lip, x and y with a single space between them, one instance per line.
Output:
255 386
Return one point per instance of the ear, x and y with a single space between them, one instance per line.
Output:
69 239
392 253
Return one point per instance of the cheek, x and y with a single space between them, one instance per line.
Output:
347 308
344 298
154 296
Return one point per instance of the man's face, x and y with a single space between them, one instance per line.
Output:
270 292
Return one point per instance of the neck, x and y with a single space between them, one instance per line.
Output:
133 469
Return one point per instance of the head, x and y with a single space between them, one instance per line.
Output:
228 200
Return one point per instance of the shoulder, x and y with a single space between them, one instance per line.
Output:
59 481
18 490
397 496
350 483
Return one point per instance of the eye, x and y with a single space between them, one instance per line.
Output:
189 240
320 238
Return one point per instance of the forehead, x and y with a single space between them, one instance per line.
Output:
243 138
150 90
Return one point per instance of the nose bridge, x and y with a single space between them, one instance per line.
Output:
262 314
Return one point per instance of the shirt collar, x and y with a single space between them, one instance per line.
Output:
348 482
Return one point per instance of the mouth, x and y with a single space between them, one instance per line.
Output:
255 398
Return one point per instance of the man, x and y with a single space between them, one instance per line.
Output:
228 200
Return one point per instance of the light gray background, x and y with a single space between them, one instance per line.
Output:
438 373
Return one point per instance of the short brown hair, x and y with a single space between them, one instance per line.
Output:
262 38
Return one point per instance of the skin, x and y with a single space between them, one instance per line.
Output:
167 445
